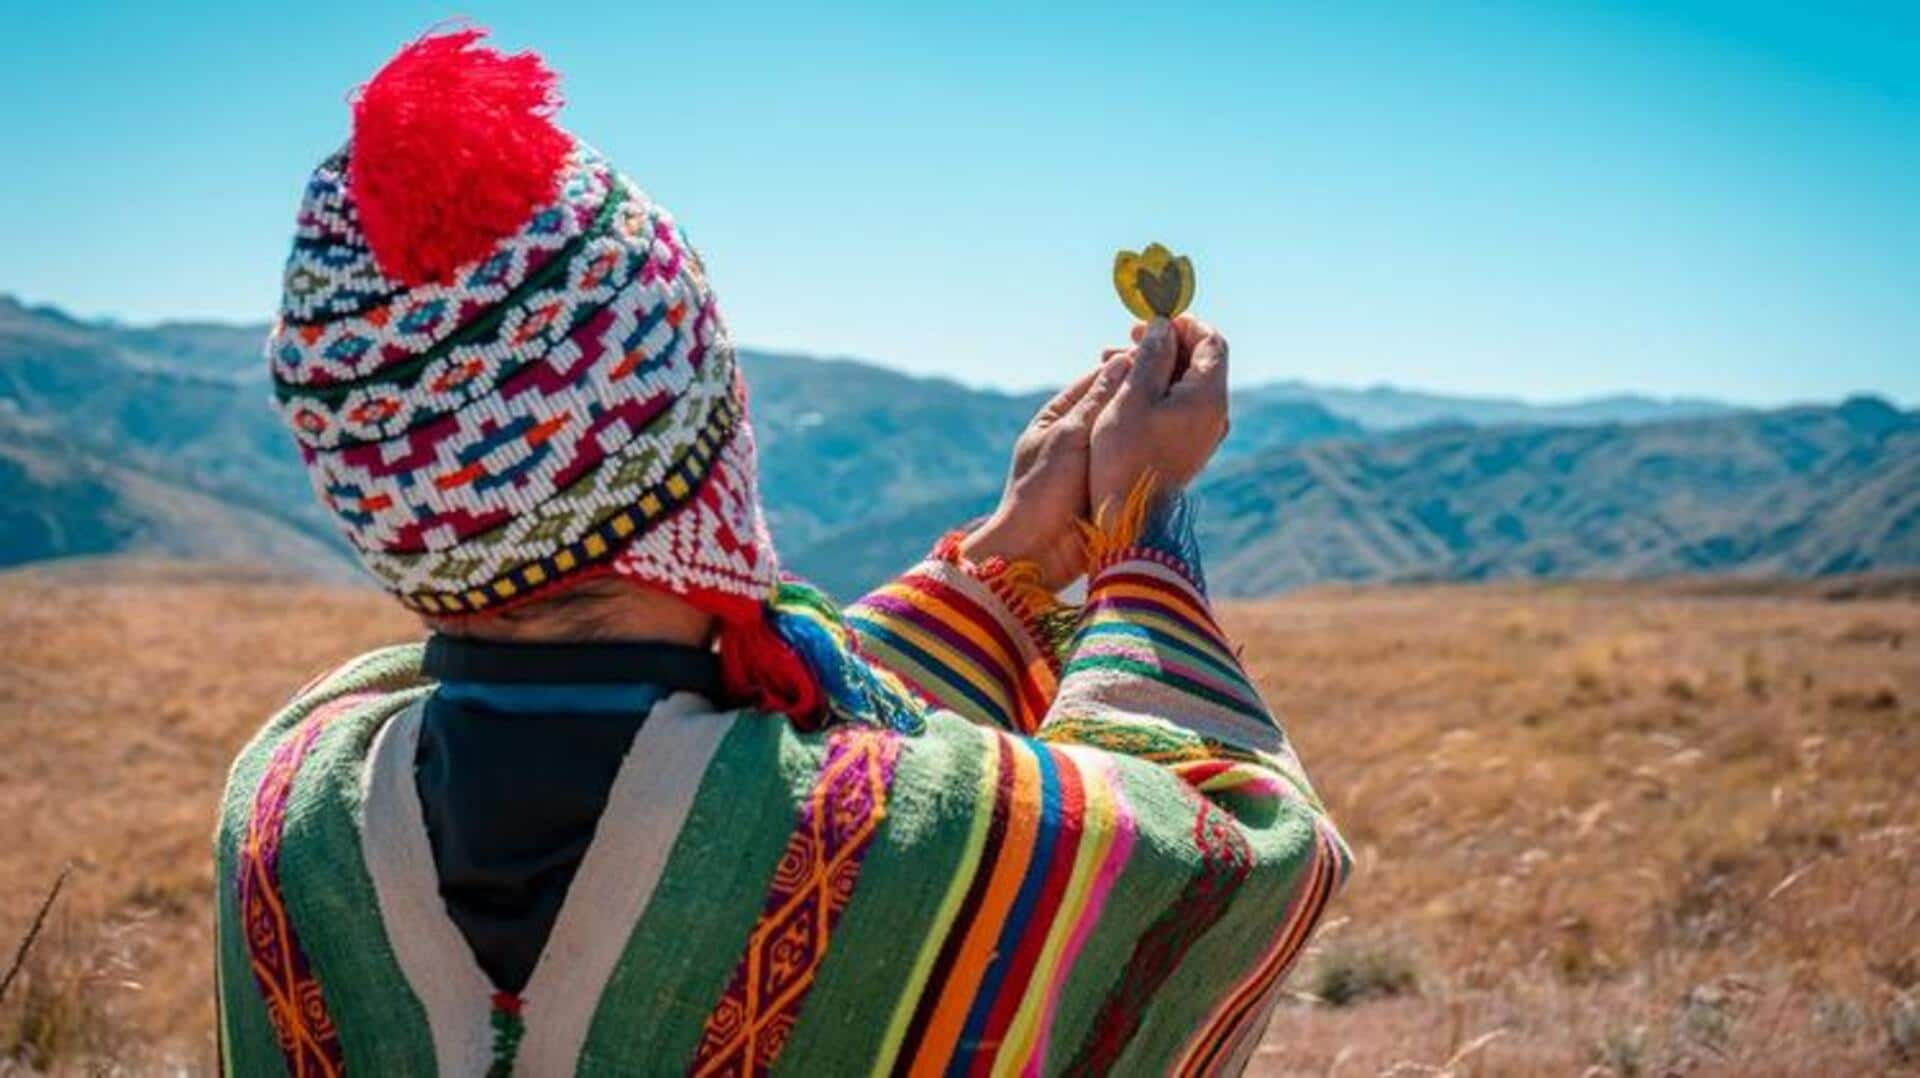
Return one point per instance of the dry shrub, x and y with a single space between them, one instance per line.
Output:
1624 1050
1348 971
1682 688
1881 697
61 1013
1903 1028
1871 632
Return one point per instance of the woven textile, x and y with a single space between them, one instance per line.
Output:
1120 892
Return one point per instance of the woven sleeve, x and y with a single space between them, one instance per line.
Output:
1148 652
1149 674
978 639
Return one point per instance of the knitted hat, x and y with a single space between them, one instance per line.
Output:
506 371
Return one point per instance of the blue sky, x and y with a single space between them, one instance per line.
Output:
1532 199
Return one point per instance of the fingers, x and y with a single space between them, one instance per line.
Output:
1064 400
1209 364
1204 386
1188 333
1106 385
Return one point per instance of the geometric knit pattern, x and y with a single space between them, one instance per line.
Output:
530 420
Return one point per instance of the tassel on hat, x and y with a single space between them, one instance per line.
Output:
797 658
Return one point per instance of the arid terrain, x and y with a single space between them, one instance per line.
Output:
1607 829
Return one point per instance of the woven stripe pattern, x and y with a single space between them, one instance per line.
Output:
567 404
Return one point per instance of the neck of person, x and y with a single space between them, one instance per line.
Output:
601 611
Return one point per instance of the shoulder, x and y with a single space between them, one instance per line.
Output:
374 684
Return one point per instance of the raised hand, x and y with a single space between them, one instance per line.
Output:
1166 418
1046 493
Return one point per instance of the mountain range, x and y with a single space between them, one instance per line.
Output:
1392 408
159 439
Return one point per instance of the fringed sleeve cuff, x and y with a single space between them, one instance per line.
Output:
1148 648
983 639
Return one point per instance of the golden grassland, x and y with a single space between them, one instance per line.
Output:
1599 829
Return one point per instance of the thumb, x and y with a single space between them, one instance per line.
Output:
1153 365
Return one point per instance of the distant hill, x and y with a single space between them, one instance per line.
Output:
1391 408
198 349
842 442
134 398
851 561
938 449
1798 492
161 438
58 501
1260 424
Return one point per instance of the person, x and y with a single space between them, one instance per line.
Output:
640 803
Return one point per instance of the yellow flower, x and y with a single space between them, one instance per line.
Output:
1153 283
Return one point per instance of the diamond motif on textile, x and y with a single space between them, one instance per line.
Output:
456 567
424 317
634 471
493 271
349 348
303 282
552 527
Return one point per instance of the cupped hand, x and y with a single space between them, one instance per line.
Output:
1046 494
1167 416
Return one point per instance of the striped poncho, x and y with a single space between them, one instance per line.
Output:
1099 856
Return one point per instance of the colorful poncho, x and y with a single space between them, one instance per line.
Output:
1099 855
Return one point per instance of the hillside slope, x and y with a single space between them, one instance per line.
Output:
1804 491
1393 408
863 467
58 500
843 444
82 386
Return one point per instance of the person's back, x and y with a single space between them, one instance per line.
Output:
718 825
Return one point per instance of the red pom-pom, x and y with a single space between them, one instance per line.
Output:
454 146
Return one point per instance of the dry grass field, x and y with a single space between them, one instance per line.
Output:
1627 830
